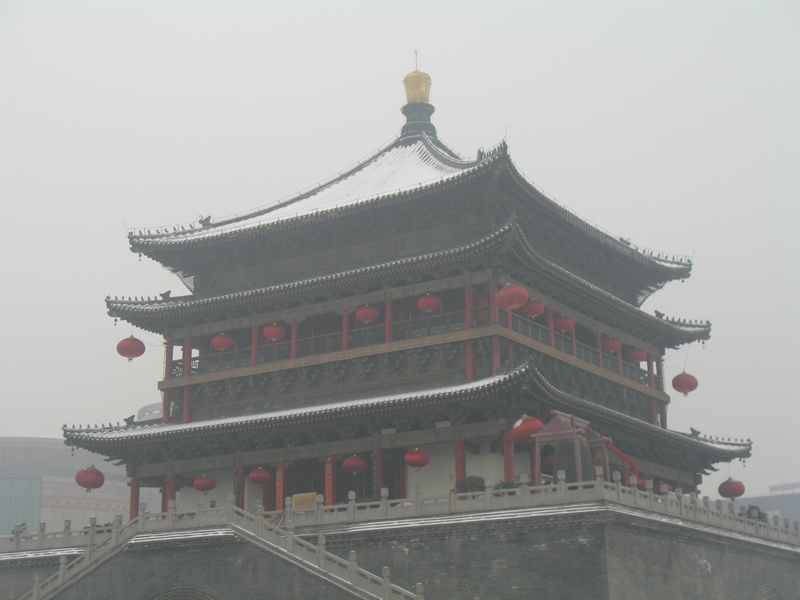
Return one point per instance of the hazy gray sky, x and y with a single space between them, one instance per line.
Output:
674 124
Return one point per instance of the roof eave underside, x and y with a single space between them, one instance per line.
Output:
145 313
526 375
111 437
669 269
543 390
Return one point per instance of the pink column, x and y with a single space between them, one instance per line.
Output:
598 343
293 342
345 329
660 373
551 326
187 369
134 508
254 337
388 319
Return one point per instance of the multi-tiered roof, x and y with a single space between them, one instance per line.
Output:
412 218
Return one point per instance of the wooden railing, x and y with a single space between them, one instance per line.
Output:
411 329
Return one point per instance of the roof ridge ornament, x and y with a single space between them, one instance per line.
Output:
418 110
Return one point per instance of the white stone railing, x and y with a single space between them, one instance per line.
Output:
682 506
345 574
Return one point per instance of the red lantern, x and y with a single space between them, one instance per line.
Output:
354 464
533 309
612 346
367 314
564 324
222 342
260 476
524 428
511 297
637 355
274 332
730 488
130 348
428 303
548 464
684 383
90 478
417 458
205 484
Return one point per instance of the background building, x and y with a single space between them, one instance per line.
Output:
37 483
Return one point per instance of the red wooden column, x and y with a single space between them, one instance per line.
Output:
551 326
509 346
187 369
536 462
168 358
660 373
293 342
170 489
330 481
254 337
268 495
494 320
134 509
598 343
461 459
493 316
388 319
468 302
377 471
575 341
508 458
650 370
239 486
280 486
345 329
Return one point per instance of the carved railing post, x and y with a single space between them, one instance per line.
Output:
385 501
352 566
67 531
42 533
561 485
321 551
62 568
386 584
351 505
420 591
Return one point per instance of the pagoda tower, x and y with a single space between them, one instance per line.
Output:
385 331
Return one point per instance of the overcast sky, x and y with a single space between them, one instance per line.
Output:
674 124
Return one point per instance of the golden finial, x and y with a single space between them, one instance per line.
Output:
417 83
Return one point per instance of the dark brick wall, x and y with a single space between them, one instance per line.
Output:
593 552
215 571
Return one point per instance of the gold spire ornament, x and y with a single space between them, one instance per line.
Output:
418 87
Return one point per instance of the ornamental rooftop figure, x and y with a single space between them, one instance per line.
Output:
414 306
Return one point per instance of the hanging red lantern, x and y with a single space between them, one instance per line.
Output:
730 488
260 476
205 484
274 332
684 383
354 464
564 324
533 309
524 428
90 478
429 303
511 297
636 355
417 458
367 314
130 348
222 342
612 346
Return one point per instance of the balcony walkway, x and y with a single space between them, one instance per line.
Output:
436 325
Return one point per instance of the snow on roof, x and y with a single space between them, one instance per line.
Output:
396 168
